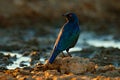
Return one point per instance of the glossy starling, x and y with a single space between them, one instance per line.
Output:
67 36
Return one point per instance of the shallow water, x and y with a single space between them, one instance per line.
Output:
102 43
16 63
20 58
91 39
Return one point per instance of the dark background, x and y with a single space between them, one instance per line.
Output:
25 13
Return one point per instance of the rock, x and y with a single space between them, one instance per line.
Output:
107 56
6 77
68 68
35 56
51 73
105 68
105 78
72 77
65 77
26 53
6 60
113 73
22 63
108 70
75 65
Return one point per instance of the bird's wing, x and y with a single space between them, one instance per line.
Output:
74 39
66 38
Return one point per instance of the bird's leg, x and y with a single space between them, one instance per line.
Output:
68 52
63 54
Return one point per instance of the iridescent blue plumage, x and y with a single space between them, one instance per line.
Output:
67 37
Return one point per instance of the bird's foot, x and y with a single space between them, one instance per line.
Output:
63 54
69 54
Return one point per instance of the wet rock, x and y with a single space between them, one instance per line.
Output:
27 68
28 50
3 67
107 56
85 52
14 57
9 47
1 55
35 56
26 53
6 60
22 64
33 42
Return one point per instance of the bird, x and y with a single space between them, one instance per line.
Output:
67 37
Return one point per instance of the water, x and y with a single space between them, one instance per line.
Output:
16 63
102 43
98 41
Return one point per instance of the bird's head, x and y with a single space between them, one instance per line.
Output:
71 17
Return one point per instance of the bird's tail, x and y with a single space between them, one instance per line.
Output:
53 56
